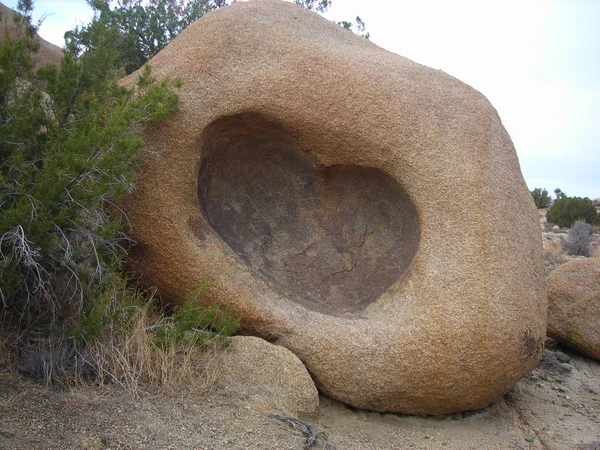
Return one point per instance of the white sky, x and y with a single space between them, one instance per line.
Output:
537 61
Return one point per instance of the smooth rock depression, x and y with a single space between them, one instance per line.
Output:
364 211
331 238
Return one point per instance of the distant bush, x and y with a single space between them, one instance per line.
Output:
540 197
567 210
578 239
559 193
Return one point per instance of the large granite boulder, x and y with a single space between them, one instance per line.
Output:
268 376
574 306
364 211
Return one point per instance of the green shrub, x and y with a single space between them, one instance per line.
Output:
567 210
195 324
191 324
540 197
68 150
89 324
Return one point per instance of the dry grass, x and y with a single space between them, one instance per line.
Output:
7 337
128 356
9 402
554 256
118 344
4 353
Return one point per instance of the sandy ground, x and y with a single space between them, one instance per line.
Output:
551 408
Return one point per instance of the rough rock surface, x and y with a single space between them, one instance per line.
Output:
48 53
574 305
337 196
269 376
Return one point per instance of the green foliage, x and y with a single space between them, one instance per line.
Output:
89 325
193 324
68 147
114 306
16 51
540 197
559 193
359 27
67 151
567 210
142 30
323 5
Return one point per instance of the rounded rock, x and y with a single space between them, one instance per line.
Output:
364 211
269 376
574 305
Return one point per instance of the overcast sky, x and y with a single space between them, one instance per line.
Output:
537 61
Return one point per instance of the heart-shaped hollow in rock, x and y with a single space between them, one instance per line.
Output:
330 238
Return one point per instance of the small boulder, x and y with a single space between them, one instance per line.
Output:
574 305
269 376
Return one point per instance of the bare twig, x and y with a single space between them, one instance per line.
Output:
311 433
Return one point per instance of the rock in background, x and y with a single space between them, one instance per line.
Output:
574 305
48 52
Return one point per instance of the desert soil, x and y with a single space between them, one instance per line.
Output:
557 406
